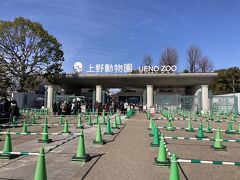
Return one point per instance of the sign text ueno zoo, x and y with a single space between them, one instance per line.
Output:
121 68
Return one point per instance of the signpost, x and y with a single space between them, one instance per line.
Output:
152 111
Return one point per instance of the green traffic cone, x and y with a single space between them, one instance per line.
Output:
217 118
33 120
99 139
184 115
211 116
200 132
60 120
24 128
194 116
161 159
208 128
233 118
44 138
46 121
40 171
79 123
152 130
65 129
229 129
81 155
89 122
148 114
38 116
189 128
151 123
169 126
199 114
27 114
108 130
238 131
205 114
155 142
218 143
14 122
7 147
173 173
224 115
119 122
103 120
96 120
115 126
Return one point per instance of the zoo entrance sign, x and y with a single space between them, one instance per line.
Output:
120 68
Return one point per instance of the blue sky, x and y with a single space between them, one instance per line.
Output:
123 31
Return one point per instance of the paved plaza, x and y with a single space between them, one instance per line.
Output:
126 155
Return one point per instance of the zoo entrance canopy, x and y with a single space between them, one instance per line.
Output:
136 80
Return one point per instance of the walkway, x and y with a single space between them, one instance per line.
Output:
129 156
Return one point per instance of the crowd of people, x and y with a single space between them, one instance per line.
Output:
8 110
68 107
75 106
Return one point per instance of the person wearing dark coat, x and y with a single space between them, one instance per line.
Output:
14 110
4 110
54 108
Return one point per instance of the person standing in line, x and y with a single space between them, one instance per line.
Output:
14 110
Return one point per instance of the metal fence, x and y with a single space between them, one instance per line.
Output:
173 102
220 103
223 103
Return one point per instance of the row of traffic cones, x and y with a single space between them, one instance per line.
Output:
189 128
80 156
162 160
40 171
217 145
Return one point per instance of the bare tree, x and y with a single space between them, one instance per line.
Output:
205 64
147 60
194 55
169 57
